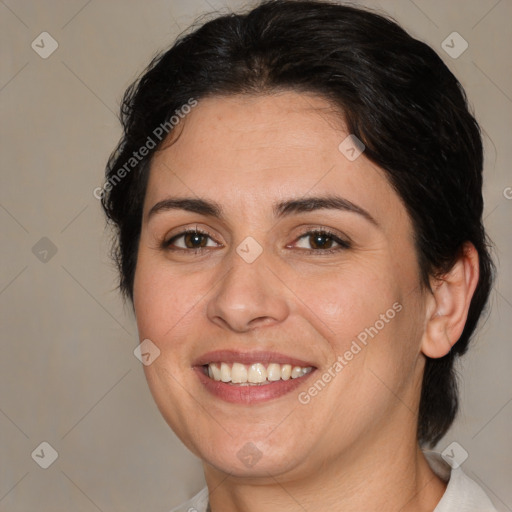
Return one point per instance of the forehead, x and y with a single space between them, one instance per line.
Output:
252 150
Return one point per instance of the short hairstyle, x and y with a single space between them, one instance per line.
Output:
394 93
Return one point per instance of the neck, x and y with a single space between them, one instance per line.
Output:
389 476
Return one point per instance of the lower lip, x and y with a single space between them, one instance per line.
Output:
249 394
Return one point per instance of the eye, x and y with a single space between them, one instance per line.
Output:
190 240
320 240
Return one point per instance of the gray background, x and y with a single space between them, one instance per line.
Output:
68 375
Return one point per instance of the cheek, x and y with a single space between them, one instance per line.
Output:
163 300
346 301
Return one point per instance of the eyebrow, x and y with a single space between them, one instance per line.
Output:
282 209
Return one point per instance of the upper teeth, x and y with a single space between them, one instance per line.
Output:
256 373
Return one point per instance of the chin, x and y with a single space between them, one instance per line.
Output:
248 456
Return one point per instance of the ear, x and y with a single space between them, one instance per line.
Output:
448 304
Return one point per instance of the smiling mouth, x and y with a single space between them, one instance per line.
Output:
256 374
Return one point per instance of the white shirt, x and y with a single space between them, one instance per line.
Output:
462 494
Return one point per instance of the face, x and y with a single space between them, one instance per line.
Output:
278 279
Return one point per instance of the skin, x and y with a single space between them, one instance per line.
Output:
353 446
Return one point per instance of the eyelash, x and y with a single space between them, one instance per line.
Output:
342 244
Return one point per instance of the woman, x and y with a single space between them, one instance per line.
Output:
298 202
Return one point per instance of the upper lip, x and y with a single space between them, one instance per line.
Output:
263 357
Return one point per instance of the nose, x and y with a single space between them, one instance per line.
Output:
249 296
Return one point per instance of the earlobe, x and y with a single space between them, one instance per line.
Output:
437 341
449 304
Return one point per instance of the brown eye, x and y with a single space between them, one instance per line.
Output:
318 241
192 240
